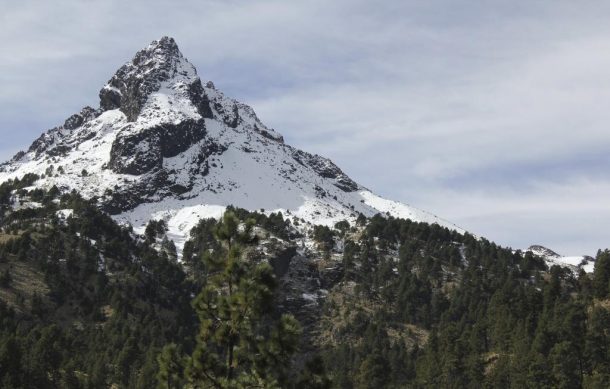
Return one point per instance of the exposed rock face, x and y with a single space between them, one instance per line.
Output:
133 83
542 251
326 168
51 140
165 145
83 116
200 99
143 151
574 263
128 197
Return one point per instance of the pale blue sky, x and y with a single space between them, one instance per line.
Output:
493 115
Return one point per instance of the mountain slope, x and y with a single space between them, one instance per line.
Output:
386 302
163 145
574 263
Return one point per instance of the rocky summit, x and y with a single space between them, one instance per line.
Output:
164 145
169 239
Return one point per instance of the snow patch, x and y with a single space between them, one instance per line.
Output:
63 214
249 166
574 263
404 211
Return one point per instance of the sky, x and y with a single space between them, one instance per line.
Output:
492 114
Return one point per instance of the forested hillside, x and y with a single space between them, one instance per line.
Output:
384 302
421 306
84 303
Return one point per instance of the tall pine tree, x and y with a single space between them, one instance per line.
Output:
240 342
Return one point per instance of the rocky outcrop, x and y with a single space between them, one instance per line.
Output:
50 141
129 197
139 152
199 99
163 141
77 120
327 169
542 251
130 87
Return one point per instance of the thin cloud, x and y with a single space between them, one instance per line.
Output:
493 116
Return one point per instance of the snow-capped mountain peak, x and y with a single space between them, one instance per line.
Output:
574 263
164 145
158 64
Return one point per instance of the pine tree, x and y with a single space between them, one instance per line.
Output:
564 366
239 343
5 279
314 376
597 346
10 363
601 274
171 367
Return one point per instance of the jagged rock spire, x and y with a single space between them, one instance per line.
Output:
164 145
131 85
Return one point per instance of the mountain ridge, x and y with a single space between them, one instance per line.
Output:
380 302
163 144
572 262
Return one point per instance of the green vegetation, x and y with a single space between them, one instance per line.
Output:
5 279
454 311
239 343
324 237
85 303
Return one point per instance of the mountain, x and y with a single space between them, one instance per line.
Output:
574 263
164 145
382 301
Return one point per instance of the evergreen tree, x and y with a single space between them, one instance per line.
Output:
601 274
597 347
239 343
314 376
171 368
5 279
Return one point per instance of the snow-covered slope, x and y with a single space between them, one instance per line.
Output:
574 263
164 145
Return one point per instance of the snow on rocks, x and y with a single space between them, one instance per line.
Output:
574 263
164 146
64 214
